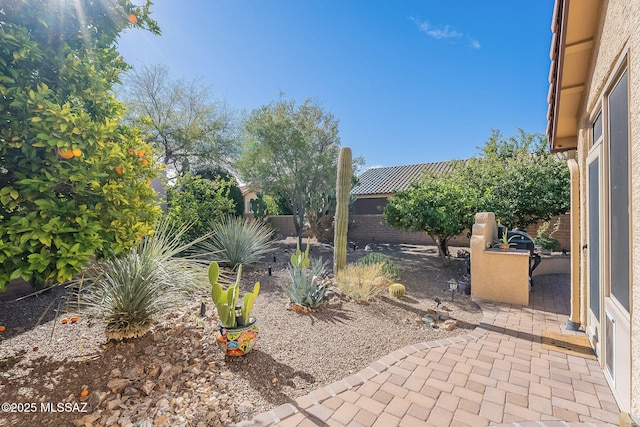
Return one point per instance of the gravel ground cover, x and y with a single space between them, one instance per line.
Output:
175 375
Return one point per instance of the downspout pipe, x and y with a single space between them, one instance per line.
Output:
573 323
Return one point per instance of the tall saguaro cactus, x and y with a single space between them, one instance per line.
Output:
343 187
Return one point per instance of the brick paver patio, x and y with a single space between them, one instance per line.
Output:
497 375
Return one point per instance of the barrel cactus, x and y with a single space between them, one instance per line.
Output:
397 290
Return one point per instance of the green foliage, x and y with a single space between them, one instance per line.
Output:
362 282
237 240
130 292
519 179
439 205
343 187
220 174
278 205
226 300
546 239
389 268
198 201
291 151
189 128
259 207
301 259
69 188
307 286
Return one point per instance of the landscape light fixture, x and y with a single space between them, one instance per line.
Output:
453 286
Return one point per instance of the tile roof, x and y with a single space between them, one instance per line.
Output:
387 180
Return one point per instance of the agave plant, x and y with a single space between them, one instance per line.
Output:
237 240
131 292
306 287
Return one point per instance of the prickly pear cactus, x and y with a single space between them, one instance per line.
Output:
343 187
397 290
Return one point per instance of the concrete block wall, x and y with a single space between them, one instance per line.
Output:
282 224
563 235
372 228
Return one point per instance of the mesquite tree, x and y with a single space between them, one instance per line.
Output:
343 187
290 150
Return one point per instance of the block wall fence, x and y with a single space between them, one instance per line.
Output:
372 229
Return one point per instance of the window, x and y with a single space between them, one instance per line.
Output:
619 229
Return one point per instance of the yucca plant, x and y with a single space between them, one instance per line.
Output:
388 266
362 282
237 240
306 287
129 293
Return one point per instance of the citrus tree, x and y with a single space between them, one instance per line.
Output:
439 205
74 182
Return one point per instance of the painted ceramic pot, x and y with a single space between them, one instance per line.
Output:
237 341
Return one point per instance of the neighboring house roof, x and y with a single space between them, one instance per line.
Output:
388 180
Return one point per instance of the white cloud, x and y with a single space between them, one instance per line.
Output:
442 32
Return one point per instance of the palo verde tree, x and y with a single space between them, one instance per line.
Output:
438 205
74 182
188 127
290 150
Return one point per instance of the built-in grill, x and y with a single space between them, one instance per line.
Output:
521 240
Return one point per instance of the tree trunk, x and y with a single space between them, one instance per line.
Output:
443 248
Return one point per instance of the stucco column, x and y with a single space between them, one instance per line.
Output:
573 323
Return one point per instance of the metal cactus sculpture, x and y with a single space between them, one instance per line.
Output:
343 188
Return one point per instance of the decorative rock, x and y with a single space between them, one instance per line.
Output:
148 387
118 385
450 324
87 420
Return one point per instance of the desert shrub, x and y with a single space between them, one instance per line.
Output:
545 239
307 287
237 240
198 201
218 173
362 282
389 268
130 292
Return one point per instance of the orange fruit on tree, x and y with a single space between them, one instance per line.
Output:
119 170
144 162
148 182
76 152
140 154
132 18
131 152
66 154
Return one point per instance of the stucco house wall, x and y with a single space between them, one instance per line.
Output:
619 36
614 47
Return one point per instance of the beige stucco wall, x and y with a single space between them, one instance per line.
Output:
495 275
619 36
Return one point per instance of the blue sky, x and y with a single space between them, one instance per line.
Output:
410 81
